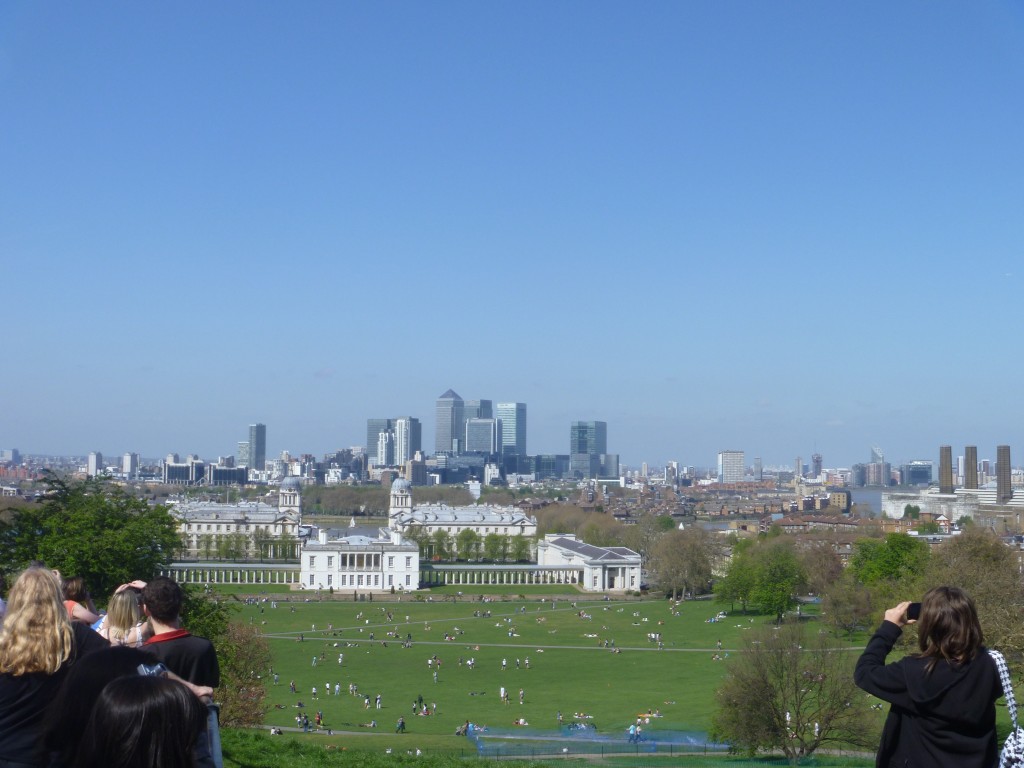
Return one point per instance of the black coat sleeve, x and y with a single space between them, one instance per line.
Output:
886 681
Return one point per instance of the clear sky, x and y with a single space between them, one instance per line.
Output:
775 227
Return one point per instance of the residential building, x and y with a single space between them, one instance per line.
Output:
731 468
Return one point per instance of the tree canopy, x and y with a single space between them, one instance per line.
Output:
91 529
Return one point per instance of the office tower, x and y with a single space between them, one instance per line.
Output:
449 424
877 456
130 465
408 438
10 456
945 469
971 467
758 469
482 435
588 441
730 467
1003 490
258 446
816 465
95 464
478 409
513 427
385 449
242 457
798 468
374 428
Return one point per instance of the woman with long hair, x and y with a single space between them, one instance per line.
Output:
125 623
78 602
942 698
38 643
142 722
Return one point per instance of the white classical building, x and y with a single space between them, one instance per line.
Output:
483 519
599 569
205 527
360 560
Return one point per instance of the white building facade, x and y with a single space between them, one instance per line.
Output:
600 569
360 560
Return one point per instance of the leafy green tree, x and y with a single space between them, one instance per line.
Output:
793 694
911 512
683 561
847 605
897 559
94 530
442 544
468 543
495 547
244 658
778 576
822 565
738 583
261 539
207 545
519 548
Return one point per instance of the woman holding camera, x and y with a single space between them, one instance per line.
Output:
943 697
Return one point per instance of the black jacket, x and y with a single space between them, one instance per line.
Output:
943 718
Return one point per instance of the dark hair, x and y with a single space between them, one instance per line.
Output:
70 710
75 589
142 722
948 627
162 598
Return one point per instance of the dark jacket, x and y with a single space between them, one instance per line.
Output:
943 718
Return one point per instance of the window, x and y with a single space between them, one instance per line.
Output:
330 563
312 562
408 562
391 561
407 582
376 579
391 580
360 579
311 579
329 578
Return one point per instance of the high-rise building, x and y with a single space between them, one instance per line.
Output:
130 465
482 435
95 464
513 428
408 438
758 469
242 457
816 465
1003 490
798 468
945 469
971 467
478 409
448 429
385 449
257 446
588 441
10 456
730 467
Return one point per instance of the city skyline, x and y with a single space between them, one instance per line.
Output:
780 229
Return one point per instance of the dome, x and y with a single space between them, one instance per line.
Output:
291 483
401 484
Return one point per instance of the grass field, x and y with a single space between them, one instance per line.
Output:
585 657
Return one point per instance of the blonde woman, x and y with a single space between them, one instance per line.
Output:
124 623
38 644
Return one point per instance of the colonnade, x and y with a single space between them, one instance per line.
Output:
227 573
436 574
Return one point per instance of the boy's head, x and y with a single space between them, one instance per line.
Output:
162 599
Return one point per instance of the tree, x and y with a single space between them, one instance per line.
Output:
244 658
442 543
683 561
980 563
261 541
468 544
738 583
644 535
94 530
890 567
822 565
494 547
847 605
778 575
786 692
519 548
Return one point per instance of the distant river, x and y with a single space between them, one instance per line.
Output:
870 497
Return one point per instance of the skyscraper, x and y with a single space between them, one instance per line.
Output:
482 435
448 429
1003 490
513 428
408 438
730 467
588 442
945 469
95 464
258 446
971 467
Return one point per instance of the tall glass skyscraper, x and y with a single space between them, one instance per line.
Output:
448 430
513 427
588 443
258 446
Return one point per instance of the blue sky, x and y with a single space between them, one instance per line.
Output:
776 227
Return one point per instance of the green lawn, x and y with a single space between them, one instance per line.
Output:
570 669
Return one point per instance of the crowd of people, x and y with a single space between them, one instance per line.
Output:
128 688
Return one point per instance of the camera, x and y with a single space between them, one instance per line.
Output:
913 611
152 670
